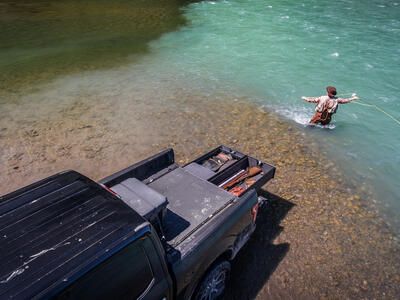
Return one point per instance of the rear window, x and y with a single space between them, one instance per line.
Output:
126 275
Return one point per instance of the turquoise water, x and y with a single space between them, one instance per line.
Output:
277 51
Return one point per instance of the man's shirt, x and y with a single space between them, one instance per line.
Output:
324 102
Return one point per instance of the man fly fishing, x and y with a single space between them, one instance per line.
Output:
327 105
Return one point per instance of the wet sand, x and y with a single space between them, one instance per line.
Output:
317 237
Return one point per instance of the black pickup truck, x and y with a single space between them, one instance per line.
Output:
155 230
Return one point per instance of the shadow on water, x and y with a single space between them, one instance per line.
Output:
259 258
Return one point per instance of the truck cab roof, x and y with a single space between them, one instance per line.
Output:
58 229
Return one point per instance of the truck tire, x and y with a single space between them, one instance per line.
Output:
214 282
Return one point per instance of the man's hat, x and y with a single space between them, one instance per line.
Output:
331 90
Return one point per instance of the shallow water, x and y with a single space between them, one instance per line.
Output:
272 52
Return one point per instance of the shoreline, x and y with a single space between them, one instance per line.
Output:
317 238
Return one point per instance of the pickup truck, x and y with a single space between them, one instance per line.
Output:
155 230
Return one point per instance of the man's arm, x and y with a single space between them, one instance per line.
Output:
311 99
346 100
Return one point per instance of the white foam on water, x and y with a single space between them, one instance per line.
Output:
329 126
369 66
302 116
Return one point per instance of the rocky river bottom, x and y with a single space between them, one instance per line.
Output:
318 236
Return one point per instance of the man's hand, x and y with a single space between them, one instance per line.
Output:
354 96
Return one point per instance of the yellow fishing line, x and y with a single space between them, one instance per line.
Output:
377 108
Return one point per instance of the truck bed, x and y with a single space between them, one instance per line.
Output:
194 194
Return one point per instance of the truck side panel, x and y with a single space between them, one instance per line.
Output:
142 169
219 238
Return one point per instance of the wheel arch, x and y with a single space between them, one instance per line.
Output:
227 255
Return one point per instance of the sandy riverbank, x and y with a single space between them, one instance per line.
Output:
316 239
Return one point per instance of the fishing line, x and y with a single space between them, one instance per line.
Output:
377 108
359 102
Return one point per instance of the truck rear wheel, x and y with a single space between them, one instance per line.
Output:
214 283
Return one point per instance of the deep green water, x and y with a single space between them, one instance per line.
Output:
272 52
41 39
